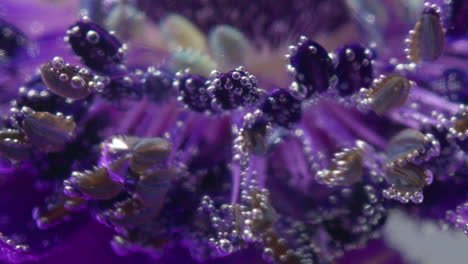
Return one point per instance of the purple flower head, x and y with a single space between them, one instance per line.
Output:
181 133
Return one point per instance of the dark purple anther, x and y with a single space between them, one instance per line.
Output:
311 66
281 108
193 92
12 40
234 89
456 18
127 86
157 84
98 49
354 69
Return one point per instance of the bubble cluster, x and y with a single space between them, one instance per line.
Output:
193 91
233 89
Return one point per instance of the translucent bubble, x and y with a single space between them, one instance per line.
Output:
298 91
92 37
58 63
225 246
63 77
417 197
77 82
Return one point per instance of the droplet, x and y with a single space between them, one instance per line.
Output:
92 37
299 91
389 92
63 77
58 63
427 41
225 247
77 82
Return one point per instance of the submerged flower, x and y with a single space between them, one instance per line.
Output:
182 134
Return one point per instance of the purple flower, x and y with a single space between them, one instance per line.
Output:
152 145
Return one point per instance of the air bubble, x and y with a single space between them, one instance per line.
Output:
225 247
58 63
92 37
77 82
63 77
